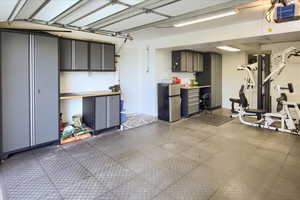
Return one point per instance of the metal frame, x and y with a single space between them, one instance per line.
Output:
39 9
92 12
138 9
67 12
147 6
190 15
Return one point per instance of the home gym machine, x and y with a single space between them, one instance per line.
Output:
265 118
255 73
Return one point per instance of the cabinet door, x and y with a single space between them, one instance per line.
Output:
200 63
81 56
176 61
183 63
216 80
195 62
65 55
190 67
100 113
108 57
46 89
14 84
113 111
95 56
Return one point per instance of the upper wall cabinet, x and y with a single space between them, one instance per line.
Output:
187 61
102 57
81 55
65 46
78 55
96 56
109 57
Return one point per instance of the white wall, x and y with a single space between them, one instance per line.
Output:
131 67
231 78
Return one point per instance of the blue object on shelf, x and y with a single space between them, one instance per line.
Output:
122 105
123 117
286 12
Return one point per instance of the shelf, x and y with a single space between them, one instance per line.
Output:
195 87
65 96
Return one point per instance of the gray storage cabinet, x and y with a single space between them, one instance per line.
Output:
187 61
15 118
113 111
108 57
212 75
216 80
46 90
102 112
65 46
190 100
77 55
29 91
81 55
96 56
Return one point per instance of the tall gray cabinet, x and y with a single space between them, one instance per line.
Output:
212 75
216 80
29 91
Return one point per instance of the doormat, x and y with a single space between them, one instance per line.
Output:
137 120
213 119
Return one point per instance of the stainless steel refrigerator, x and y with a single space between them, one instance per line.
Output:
169 102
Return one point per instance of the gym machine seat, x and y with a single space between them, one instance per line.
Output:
244 102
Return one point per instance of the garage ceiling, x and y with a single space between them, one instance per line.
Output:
113 17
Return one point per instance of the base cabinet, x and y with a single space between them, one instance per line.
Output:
102 112
190 102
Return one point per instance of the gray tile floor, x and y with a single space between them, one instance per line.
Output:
187 160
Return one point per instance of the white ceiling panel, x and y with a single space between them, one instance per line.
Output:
186 6
6 8
132 2
89 7
29 8
54 8
134 22
105 12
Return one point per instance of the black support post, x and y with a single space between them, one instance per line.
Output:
267 72
259 82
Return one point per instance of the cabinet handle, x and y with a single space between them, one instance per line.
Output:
39 91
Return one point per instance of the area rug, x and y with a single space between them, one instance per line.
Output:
213 119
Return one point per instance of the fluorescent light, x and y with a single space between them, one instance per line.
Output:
208 18
228 48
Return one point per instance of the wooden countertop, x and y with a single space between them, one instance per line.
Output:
64 96
195 87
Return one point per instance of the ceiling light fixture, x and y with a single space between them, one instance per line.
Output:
228 48
208 18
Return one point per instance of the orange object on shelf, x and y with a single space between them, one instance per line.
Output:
76 138
176 80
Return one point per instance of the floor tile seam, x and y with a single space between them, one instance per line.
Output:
48 176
